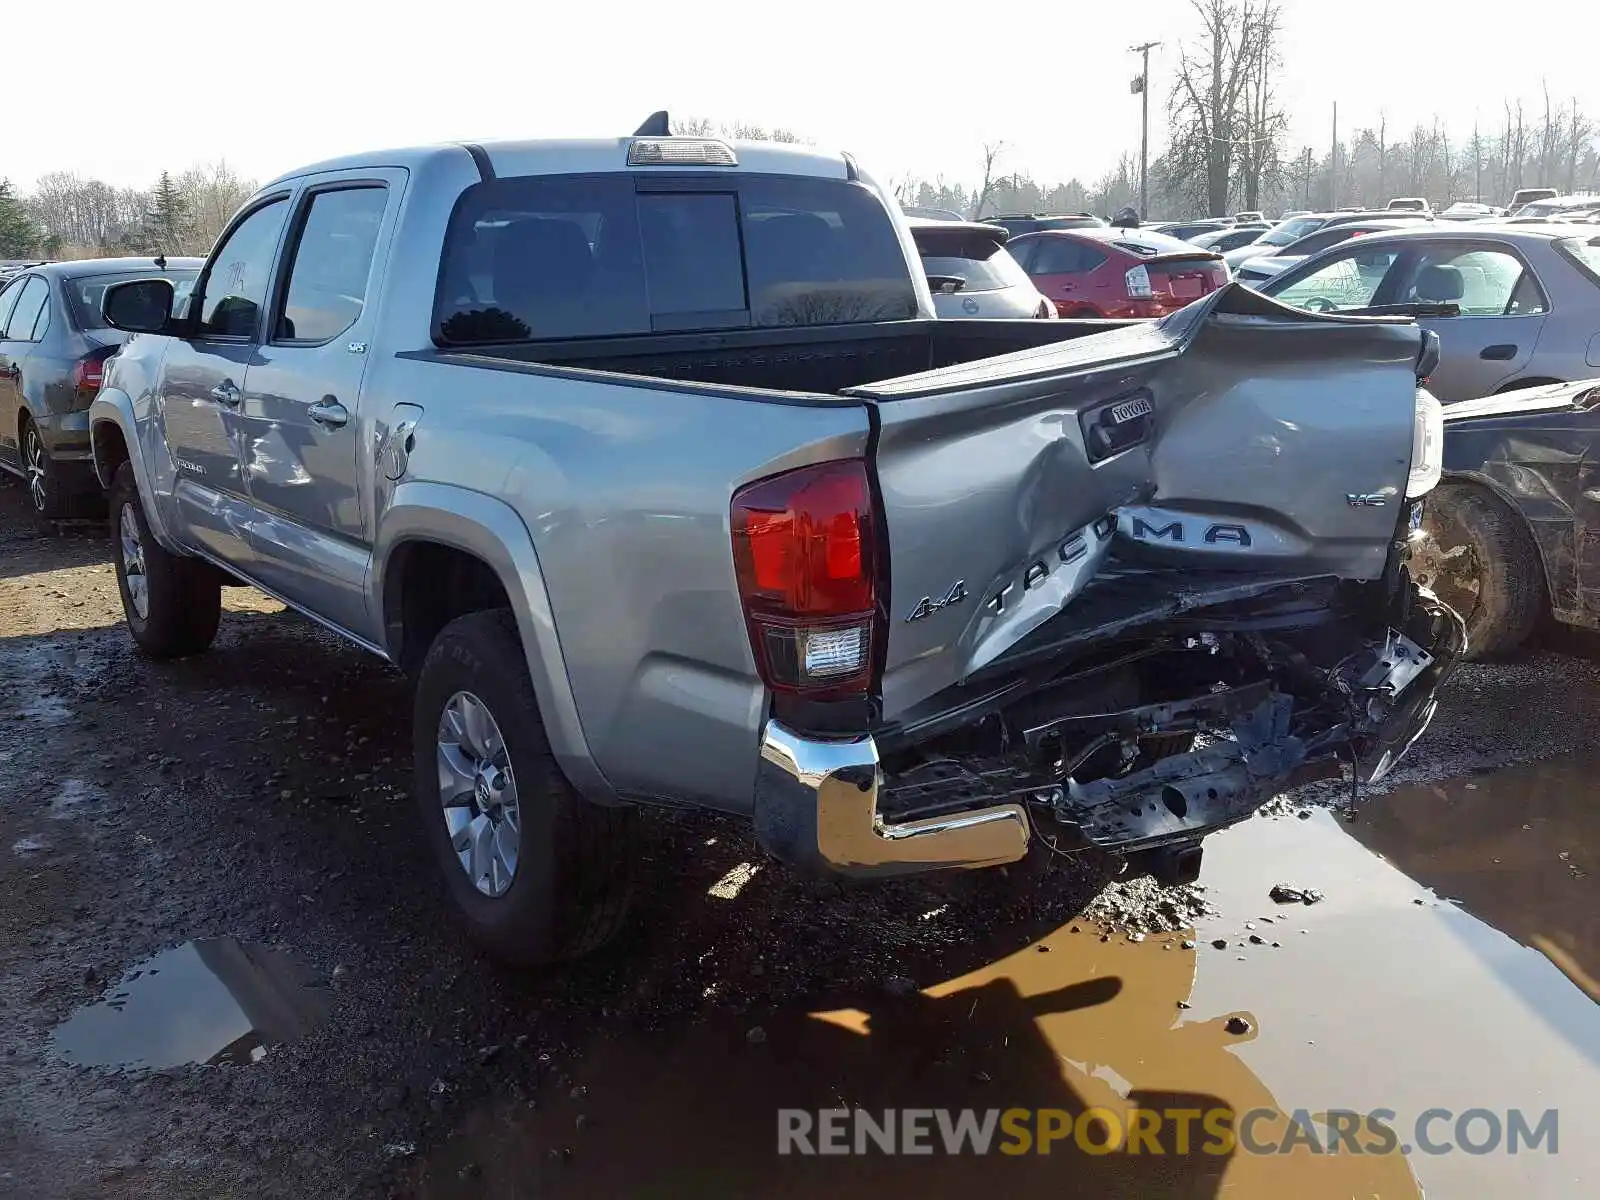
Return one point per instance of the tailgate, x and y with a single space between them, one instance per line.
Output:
1236 434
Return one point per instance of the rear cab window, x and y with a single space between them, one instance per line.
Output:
543 258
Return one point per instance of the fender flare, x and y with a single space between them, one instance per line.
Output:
113 406
492 530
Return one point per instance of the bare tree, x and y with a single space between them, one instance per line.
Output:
212 193
1580 135
992 152
1265 125
1211 100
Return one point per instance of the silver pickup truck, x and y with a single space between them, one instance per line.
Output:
646 458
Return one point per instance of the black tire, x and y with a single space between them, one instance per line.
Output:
46 495
573 880
1479 557
185 601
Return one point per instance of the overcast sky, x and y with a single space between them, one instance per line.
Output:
121 89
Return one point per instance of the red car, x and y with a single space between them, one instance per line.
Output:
1117 272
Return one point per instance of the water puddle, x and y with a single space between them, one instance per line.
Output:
210 1001
74 794
1448 965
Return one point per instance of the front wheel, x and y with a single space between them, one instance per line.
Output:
1476 554
537 873
173 604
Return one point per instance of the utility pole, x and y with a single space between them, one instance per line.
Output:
1142 86
1308 177
1333 164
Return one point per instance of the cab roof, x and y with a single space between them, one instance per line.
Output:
584 156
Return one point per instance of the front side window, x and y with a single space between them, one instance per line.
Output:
1481 282
1350 280
540 258
29 317
239 274
332 262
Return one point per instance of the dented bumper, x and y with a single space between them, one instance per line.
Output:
820 802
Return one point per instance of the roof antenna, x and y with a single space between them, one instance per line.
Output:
657 124
161 262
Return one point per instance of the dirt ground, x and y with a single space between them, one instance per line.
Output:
244 818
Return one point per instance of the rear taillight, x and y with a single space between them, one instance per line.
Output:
805 553
1427 445
1138 281
88 373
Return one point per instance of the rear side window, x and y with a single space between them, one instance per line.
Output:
332 260
1064 256
1585 252
8 301
553 257
29 318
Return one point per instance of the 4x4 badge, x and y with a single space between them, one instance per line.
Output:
927 606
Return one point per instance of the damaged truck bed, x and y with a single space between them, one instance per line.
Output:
1189 596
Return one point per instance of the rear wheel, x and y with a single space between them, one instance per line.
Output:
45 492
173 604
1477 556
537 873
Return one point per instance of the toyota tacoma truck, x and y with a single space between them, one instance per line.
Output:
647 460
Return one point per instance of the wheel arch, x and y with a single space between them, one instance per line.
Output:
113 440
432 526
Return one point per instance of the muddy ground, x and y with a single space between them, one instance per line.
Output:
213 865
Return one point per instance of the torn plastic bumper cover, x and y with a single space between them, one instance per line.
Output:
818 800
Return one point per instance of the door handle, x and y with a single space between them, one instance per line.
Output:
226 392
1503 351
329 413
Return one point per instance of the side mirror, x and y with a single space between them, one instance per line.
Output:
140 306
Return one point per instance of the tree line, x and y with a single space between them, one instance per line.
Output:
68 215
1228 145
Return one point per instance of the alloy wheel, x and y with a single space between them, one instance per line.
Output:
478 793
133 567
34 467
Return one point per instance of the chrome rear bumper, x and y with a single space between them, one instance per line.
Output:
816 806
